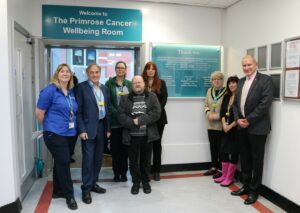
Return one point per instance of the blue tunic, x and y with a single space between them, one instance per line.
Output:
58 110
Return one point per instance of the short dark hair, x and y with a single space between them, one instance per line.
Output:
120 62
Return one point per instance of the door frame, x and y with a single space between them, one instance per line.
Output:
24 185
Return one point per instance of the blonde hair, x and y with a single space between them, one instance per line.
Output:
55 79
216 74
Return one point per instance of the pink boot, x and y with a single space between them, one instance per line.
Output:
224 172
230 174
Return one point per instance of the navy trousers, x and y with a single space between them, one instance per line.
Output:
92 153
59 147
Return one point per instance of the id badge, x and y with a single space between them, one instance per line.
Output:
101 114
71 125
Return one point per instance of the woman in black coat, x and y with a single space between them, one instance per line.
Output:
229 145
158 86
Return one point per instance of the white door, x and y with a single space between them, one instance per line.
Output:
24 90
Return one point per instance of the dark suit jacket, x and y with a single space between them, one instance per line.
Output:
257 105
88 111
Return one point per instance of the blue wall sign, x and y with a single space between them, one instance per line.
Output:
91 23
186 68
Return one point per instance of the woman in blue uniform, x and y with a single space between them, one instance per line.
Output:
56 111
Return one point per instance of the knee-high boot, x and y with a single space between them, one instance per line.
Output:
225 166
230 174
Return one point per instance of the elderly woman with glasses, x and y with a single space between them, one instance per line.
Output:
212 109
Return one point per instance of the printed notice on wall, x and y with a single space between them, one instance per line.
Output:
91 23
186 68
293 54
291 83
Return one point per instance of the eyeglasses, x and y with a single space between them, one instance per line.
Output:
120 68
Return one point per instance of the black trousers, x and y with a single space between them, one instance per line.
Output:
229 158
72 146
252 150
59 147
157 150
119 152
215 137
92 153
140 152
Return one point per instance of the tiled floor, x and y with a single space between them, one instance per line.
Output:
180 192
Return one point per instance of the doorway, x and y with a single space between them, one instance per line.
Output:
24 107
79 56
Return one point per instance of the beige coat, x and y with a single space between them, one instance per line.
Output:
209 108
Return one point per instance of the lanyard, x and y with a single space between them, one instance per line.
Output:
99 98
215 97
70 104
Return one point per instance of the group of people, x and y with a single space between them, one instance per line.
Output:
238 123
130 114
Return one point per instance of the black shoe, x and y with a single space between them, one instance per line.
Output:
146 188
86 197
123 178
252 198
116 178
242 191
98 189
156 176
58 195
135 188
71 203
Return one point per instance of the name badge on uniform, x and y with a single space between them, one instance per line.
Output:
101 103
71 125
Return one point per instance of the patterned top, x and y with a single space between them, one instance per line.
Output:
139 108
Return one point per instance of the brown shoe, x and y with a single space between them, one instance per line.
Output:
217 174
209 172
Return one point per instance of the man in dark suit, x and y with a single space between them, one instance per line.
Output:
252 103
93 127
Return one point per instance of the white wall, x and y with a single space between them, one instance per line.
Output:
253 23
10 183
7 183
250 23
185 138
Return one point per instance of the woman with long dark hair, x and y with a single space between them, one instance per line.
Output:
158 86
229 146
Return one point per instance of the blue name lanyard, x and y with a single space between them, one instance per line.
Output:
70 104
99 99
